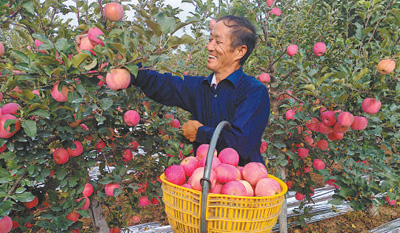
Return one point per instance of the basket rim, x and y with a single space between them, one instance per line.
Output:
281 183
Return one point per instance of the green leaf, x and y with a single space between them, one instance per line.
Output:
361 74
28 5
91 65
155 27
310 87
24 197
25 35
29 128
79 58
133 68
5 207
106 103
62 45
120 47
20 56
323 78
175 41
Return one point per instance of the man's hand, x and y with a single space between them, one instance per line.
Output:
190 129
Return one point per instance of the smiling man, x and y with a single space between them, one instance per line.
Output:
227 94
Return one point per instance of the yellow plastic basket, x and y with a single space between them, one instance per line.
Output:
224 213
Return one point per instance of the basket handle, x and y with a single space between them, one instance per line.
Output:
207 171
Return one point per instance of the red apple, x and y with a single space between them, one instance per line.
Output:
335 136
31 204
86 204
319 49
289 183
77 151
202 151
144 201
253 172
189 164
267 187
328 118
118 79
73 216
60 96
174 123
371 105
6 133
275 11
270 2
135 218
196 177
322 144
299 196
88 190
114 12
37 44
386 66
131 118
1 49
302 152
229 156
93 33
324 129
290 114
292 50
127 156
318 164
109 188
226 173
359 123
60 155
175 174
345 119
6 224
10 108
235 188
337 128
264 78
313 124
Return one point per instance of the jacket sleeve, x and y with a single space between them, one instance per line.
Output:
165 88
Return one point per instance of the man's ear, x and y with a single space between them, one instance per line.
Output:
241 51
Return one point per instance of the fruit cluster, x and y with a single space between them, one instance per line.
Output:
226 176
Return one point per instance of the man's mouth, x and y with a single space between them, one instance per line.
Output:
211 57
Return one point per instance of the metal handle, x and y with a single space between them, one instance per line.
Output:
207 171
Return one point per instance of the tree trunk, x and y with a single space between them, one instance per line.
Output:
283 216
98 219
373 210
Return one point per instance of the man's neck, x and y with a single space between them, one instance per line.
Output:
224 74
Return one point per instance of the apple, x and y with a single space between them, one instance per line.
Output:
318 164
187 185
73 216
264 78
6 224
270 2
31 204
331 182
174 123
217 188
253 172
109 188
10 108
196 177
337 128
226 173
289 183
249 188
114 12
345 119
275 11
299 196
229 156
322 144
324 129
189 164
175 174
135 218
267 187
289 114
1 49
118 79
386 66
202 151
302 152
6 133
371 105
292 50
37 44
131 118
319 49
115 230
88 190
328 118
390 202
154 201
59 96
127 156
312 124
99 145
359 123
335 136
3 148
93 33
144 201
235 188
60 155
77 151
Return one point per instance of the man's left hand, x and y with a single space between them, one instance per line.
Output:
190 129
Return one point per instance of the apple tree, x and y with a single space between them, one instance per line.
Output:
68 146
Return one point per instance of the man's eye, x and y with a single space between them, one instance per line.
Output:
219 42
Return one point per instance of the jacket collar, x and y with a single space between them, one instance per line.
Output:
234 78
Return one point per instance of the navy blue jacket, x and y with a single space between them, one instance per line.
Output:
240 99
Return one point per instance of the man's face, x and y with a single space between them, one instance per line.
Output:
221 56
